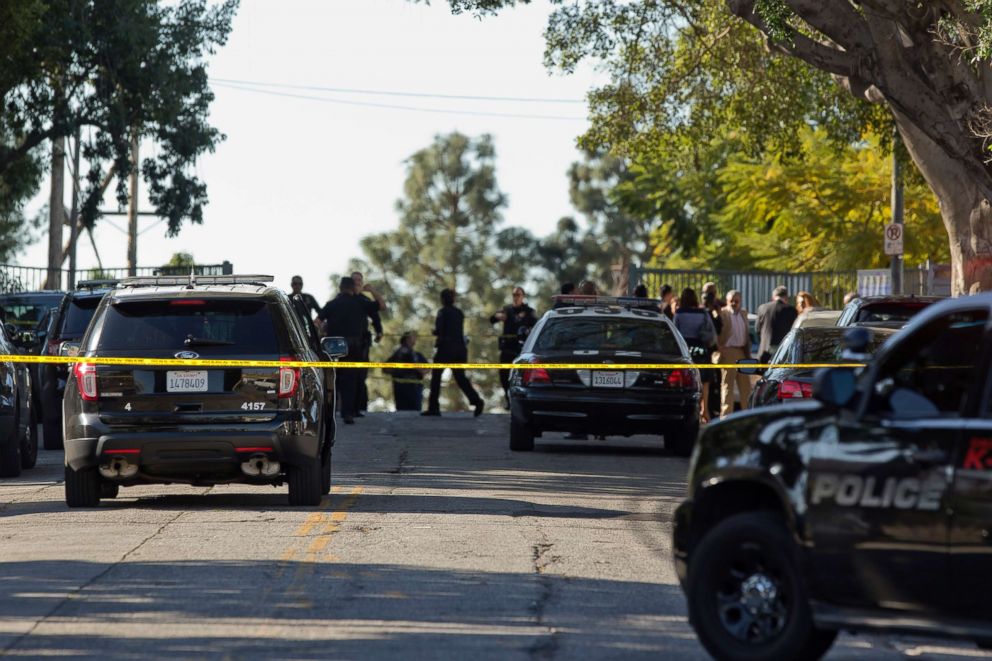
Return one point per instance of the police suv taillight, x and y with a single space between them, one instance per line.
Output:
85 374
289 379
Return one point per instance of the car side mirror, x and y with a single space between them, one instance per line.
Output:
835 386
69 349
11 330
335 347
750 371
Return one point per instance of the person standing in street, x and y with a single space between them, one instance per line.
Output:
667 297
733 344
696 327
449 332
408 384
347 316
517 318
376 306
296 289
775 320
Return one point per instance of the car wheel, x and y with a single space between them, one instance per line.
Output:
82 487
51 432
521 436
325 471
10 455
745 594
305 484
109 489
29 442
681 441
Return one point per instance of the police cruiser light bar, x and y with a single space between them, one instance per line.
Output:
579 300
166 280
96 284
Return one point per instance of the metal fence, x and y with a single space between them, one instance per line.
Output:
755 286
15 278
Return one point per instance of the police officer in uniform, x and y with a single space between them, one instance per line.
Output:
309 302
449 329
347 315
515 317
376 306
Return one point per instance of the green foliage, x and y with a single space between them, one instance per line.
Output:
113 68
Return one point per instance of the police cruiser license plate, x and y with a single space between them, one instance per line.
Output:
607 379
186 381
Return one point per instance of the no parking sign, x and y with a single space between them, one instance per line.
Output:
893 239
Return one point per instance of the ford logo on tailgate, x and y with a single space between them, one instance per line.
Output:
187 355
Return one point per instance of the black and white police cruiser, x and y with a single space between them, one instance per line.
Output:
867 507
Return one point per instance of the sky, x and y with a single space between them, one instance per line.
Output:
298 182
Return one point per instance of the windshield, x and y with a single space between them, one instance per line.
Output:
889 312
78 315
26 312
607 335
205 326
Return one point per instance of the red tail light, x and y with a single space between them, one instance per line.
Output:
289 379
86 381
794 390
539 375
187 301
682 378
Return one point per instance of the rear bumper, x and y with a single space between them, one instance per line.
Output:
603 413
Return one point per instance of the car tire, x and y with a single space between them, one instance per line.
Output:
521 436
29 442
82 487
51 432
681 441
732 571
10 455
109 490
305 484
325 471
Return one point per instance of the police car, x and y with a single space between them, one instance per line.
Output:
867 507
613 331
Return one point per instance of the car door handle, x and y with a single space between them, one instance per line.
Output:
928 457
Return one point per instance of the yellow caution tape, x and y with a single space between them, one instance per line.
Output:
201 362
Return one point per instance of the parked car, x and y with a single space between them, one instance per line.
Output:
813 344
601 329
18 421
885 311
128 425
817 317
28 314
865 508
67 324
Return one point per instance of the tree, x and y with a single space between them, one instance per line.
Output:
121 71
682 65
448 237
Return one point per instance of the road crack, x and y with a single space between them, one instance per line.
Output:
96 578
546 646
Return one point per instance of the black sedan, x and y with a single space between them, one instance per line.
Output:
811 344
604 402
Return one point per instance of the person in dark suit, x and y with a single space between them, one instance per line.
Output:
449 330
347 316
775 320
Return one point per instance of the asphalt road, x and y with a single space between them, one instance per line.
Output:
437 542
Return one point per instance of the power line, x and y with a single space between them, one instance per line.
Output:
429 95
367 104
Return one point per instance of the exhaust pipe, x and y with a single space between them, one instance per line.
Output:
119 468
259 465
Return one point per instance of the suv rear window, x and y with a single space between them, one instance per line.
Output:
78 314
205 326
889 312
829 347
607 335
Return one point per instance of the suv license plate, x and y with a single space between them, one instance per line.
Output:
186 381
605 379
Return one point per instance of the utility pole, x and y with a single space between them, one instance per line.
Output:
132 210
896 263
74 213
56 214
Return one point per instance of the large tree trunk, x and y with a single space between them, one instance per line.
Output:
964 207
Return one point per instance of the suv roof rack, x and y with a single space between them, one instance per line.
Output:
580 300
106 283
191 280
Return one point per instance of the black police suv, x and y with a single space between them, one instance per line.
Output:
613 331
808 345
868 507
127 425
67 324
883 311
18 421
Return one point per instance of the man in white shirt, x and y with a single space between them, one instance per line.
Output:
733 343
